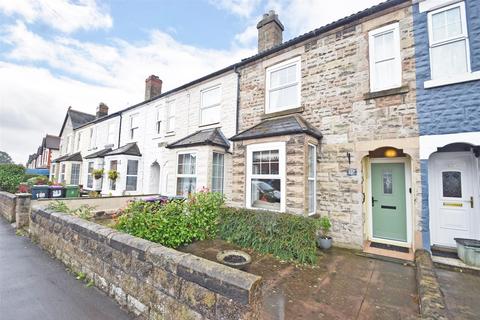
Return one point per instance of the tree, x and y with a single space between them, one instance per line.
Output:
5 158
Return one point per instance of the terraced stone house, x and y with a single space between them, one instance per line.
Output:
328 126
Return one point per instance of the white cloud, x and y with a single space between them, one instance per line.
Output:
242 8
63 15
33 100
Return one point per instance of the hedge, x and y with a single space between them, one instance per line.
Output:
10 177
286 236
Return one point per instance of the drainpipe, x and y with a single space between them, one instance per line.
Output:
237 124
119 131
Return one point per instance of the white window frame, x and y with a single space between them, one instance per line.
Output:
281 147
223 171
77 176
131 131
374 86
170 113
79 139
186 175
204 122
112 185
282 65
91 144
63 170
111 133
433 44
314 178
131 175
90 181
158 121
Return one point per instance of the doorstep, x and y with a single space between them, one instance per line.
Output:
367 249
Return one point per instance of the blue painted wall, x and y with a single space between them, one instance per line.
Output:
451 108
425 223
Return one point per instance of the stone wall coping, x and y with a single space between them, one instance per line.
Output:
23 195
229 282
8 194
97 198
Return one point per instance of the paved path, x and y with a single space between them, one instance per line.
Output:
462 293
35 286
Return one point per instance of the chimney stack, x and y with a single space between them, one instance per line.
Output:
270 31
153 87
102 110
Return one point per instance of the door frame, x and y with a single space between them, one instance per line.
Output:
408 201
433 188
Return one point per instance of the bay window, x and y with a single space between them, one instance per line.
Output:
217 172
75 174
448 37
90 175
283 86
312 174
385 61
113 167
132 175
266 176
210 106
62 173
186 174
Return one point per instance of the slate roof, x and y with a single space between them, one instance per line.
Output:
78 118
291 124
98 154
130 149
69 157
212 137
52 142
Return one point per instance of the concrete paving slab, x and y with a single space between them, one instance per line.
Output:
461 292
34 285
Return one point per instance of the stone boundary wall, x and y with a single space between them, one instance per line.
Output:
7 205
431 299
100 203
150 280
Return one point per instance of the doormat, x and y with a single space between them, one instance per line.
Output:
444 253
389 247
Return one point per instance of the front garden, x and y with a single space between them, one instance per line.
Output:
203 216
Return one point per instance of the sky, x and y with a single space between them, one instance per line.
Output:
60 53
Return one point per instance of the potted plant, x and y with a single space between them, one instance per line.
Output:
324 240
97 173
113 175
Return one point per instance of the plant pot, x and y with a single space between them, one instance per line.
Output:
324 242
97 176
234 258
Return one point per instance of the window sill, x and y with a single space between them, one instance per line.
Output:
282 113
209 124
169 134
472 76
386 93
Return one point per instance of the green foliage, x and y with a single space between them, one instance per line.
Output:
5 158
325 225
37 180
84 211
286 236
175 223
97 173
113 175
10 177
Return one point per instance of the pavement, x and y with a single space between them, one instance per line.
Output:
34 285
461 292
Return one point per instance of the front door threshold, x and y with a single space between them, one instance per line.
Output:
396 255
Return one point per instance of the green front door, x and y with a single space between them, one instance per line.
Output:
389 215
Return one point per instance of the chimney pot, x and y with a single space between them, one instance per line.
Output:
102 110
270 31
153 87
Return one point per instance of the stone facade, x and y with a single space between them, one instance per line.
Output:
22 210
150 280
7 205
336 99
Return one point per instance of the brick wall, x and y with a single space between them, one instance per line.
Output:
148 279
336 99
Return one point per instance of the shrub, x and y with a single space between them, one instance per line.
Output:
286 236
175 223
10 177
37 180
325 225
84 211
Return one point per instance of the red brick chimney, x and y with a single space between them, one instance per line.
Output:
102 110
153 87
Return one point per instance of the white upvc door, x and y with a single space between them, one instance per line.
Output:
453 200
